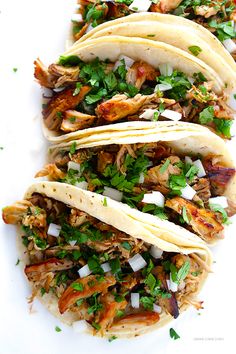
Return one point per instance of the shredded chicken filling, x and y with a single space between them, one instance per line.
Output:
99 93
101 296
139 169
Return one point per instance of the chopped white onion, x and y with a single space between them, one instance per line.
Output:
113 194
137 262
181 286
201 170
89 28
171 115
106 267
82 185
229 45
80 326
140 5
188 192
84 271
157 308
77 18
59 89
47 93
134 297
128 62
141 178
72 243
191 80
222 201
155 252
188 159
166 69
148 114
163 87
154 198
54 230
172 286
73 166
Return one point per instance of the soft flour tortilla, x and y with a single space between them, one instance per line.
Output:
93 205
153 52
181 37
199 31
185 138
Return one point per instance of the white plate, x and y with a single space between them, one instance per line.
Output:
38 28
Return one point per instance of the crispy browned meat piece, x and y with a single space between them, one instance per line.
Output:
139 72
60 103
145 318
116 10
204 222
70 295
51 171
119 107
55 75
156 177
14 214
74 120
207 10
165 6
77 218
26 213
104 159
50 265
169 305
219 175
202 187
109 311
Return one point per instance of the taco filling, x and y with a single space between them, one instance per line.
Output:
155 179
217 16
98 273
81 95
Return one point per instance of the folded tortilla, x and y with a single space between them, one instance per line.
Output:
93 204
195 140
180 35
153 52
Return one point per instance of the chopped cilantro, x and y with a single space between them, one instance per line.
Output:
17 262
184 215
78 86
195 50
14 70
71 60
112 338
218 208
77 286
224 30
42 291
79 302
207 115
164 166
57 329
173 334
115 265
73 148
105 202
96 326
126 245
223 126
178 275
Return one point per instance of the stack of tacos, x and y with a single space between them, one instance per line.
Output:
139 177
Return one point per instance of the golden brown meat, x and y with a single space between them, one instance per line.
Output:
51 171
109 311
90 285
74 120
33 271
26 213
218 174
139 72
145 318
157 177
55 75
61 102
104 159
204 222
119 107
165 6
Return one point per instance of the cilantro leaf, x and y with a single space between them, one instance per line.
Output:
173 334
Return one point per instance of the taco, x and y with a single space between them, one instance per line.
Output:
179 176
212 18
121 281
117 79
